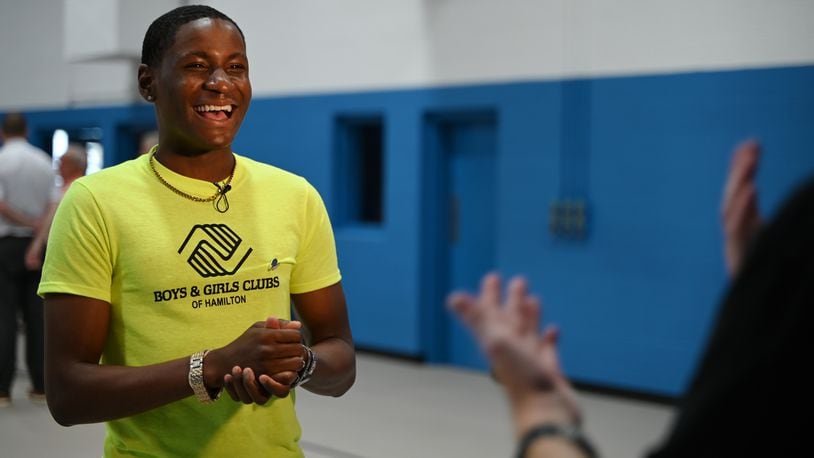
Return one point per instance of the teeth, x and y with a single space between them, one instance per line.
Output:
203 108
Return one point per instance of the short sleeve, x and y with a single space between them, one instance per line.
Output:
316 265
78 257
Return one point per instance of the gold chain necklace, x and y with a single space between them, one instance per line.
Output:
221 203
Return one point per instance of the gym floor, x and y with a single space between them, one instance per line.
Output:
396 409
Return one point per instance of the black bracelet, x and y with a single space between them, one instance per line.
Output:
304 374
570 433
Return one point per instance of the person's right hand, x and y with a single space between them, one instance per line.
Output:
740 216
33 257
263 362
523 359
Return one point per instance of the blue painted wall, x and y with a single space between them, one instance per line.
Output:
637 297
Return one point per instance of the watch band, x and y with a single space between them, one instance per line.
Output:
570 433
196 380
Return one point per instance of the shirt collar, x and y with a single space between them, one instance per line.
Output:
14 141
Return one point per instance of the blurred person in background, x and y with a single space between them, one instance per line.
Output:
72 165
26 183
747 394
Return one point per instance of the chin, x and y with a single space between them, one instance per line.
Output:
210 142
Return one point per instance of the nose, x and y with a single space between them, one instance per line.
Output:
218 81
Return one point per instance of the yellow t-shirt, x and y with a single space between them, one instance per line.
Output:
181 277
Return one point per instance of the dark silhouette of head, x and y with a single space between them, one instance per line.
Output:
14 125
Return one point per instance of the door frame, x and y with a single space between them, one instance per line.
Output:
434 264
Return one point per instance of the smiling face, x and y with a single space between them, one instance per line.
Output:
200 87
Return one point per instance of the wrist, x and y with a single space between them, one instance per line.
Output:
309 365
195 378
537 408
213 371
550 439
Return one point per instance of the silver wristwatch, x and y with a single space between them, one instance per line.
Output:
196 379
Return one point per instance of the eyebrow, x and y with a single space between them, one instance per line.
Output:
204 55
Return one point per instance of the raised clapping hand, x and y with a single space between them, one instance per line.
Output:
524 360
739 210
283 358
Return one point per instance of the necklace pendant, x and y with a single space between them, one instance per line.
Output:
222 203
219 199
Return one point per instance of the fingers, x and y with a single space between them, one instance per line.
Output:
285 324
277 323
285 378
474 310
518 289
280 323
293 364
530 314
242 386
517 306
740 216
273 354
521 308
273 323
740 180
228 385
255 391
236 388
549 351
741 210
464 306
273 386
490 290
742 169
283 336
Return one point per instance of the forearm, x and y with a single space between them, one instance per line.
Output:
18 218
336 367
325 317
82 392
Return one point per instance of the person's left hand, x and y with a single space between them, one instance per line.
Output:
740 216
243 385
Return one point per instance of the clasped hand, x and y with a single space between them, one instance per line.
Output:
266 360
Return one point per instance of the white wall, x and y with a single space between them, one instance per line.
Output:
33 72
477 40
333 45
52 58
330 45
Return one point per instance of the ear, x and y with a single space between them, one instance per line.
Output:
146 79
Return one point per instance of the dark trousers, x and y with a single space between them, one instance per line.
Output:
18 293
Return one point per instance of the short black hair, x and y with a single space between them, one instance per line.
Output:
14 124
160 35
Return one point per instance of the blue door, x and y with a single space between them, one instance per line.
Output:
468 147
